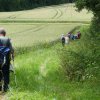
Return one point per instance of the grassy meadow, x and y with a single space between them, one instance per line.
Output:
40 77
39 74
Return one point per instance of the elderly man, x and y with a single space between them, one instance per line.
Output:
6 52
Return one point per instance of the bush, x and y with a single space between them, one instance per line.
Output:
74 64
80 60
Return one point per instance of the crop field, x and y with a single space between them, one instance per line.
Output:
43 24
65 12
27 34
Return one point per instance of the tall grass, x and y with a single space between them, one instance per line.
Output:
80 62
40 77
31 78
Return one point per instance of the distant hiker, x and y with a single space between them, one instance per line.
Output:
78 35
72 36
75 37
69 34
63 40
66 40
6 51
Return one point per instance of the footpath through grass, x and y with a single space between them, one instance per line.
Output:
40 77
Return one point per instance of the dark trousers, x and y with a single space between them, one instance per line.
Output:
63 43
0 79
5 72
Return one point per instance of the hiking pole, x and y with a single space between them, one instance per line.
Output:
14 73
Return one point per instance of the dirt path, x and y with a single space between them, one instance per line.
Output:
43 69
2 96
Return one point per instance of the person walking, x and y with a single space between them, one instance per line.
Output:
63 40
6 54
78 35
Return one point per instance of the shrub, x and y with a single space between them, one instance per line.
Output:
73 64
80 60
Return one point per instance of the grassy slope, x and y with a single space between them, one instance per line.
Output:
39 77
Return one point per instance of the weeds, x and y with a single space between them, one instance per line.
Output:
81 61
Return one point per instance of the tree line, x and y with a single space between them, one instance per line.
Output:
11 5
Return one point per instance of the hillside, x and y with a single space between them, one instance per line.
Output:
61 13
39 74
42 24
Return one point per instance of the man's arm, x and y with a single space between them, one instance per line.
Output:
11 49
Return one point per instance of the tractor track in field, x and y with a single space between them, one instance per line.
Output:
30 30
61 13
58 14
55 14
14 16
